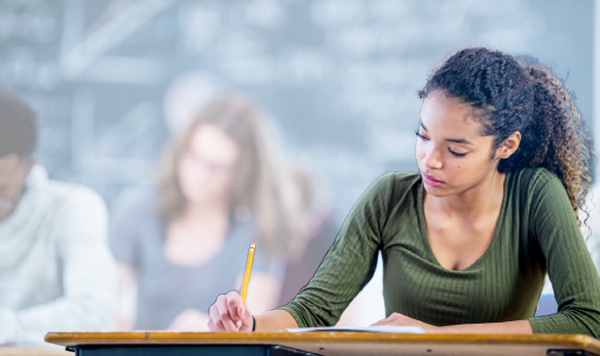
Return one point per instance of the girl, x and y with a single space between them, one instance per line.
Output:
221 187
467 242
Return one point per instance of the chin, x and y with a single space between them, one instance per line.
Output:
197 198
195 192
438 192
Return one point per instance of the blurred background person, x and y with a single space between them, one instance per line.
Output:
222 186
56 272
317 230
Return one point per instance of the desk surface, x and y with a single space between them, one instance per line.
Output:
349 343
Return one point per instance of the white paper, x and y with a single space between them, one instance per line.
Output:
368 329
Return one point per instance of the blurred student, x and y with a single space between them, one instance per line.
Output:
317 230
56 272
221 187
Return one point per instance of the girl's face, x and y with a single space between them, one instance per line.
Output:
452 155
206 168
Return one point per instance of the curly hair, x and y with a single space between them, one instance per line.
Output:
508 94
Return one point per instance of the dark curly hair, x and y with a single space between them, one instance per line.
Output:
508 94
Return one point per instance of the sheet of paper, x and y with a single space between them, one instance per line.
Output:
368 329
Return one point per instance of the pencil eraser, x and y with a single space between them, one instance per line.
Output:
253 245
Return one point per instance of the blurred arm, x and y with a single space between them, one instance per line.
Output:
263 292
126 294
89 278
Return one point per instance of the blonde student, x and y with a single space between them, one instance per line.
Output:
222 186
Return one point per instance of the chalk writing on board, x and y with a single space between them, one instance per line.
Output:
338 77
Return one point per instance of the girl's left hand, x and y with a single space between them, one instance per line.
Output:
403 320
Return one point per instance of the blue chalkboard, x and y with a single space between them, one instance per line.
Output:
338 77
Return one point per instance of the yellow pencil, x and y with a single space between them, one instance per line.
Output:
248 269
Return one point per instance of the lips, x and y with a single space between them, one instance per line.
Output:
429 180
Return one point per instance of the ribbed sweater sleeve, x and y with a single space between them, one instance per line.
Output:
570 268
350 262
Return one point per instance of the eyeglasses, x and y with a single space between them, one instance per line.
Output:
216 169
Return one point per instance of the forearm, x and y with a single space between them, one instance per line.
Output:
275 320
509 327
30 325
126 297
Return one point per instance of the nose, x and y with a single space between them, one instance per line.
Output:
203 172
203 169
432 159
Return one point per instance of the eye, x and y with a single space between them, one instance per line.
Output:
456 153
421 136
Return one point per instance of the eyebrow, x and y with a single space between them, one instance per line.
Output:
455 140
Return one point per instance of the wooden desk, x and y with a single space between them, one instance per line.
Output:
30 351
331 344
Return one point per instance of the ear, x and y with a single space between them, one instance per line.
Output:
508 146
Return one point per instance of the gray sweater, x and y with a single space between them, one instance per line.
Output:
56 272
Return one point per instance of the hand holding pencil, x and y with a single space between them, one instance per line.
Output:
229 312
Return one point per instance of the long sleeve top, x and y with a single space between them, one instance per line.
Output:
536 233
165 289
56 272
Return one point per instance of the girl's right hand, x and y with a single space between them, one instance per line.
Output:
228 314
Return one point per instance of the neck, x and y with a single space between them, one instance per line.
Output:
205 211
7 208
478 200
5 215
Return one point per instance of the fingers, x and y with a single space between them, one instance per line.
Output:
234 300
228 314
387 321
214 325
239 313
229 318
247 320
214 321
380 322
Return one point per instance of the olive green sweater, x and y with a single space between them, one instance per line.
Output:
536 234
